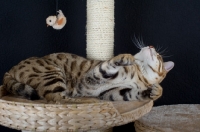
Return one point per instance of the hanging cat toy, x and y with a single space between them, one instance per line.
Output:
57 21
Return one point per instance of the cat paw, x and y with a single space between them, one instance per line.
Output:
124 60
156 92
152 93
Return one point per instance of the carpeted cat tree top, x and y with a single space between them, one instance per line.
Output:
22 114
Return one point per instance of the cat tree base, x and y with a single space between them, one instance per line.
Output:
171 118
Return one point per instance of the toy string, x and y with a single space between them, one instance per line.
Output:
56 6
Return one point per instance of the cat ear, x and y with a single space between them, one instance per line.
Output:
168 65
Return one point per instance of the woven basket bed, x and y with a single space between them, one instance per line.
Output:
171 118
22 114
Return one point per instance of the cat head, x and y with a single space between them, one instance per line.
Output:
151 65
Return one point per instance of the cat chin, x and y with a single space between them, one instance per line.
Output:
138 56
153 81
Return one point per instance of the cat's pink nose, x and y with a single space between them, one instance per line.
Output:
151 47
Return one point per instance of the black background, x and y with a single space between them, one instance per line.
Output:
171 24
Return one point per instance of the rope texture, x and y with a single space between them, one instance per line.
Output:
100 29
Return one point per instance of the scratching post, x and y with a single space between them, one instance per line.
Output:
100 29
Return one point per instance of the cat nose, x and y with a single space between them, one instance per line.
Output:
151 47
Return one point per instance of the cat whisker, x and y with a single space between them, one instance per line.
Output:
136 42
136 45
141 42
164 56
159 48
161 51
165 50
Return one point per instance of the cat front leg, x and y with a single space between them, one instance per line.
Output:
110 68
119 94
122 60
130 94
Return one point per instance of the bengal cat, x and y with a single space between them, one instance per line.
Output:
64 77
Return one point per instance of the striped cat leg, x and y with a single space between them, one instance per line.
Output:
128 94
59 90
119 94
18 88
110 68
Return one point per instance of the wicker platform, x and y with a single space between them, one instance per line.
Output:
22 114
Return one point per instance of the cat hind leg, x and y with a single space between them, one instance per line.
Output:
14 87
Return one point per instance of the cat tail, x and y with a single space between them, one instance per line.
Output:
12 86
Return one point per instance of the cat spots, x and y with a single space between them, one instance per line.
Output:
111 98
35 86
58 89
92 81
137 86
115 75
74 56
56 80
82 65
73 83
132 75
145 80
20 67
80 87
55 90
41 63
126 70
29 81
95 77
48 62
125 93
36 70
33 75
158 72
56 62
106 91
27 62
61 57
48 68
146 93
79 74
49 78
73 66
21 74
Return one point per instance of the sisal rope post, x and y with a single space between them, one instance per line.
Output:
100 29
